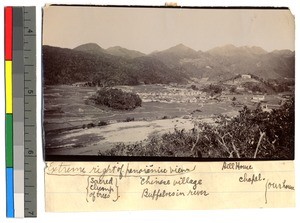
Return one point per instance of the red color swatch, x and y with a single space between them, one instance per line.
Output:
8 11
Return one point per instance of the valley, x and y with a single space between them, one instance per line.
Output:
73 125
179 88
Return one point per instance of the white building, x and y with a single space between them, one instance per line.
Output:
258 98
246 76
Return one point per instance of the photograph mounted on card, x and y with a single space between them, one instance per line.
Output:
182 84
209 89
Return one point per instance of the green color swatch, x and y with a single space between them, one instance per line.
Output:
9 139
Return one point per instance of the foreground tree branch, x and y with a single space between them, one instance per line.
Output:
197 140
235 150
258 143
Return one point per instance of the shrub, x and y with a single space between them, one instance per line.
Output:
90 125
102 123
232 89
129 119
194 87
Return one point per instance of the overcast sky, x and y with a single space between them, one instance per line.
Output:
149 29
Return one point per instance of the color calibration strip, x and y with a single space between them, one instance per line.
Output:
9 112
20 131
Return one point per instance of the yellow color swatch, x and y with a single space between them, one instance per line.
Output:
8 87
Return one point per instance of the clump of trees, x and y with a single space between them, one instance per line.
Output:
271 85
117 99
281 85
213 89
256 87
253 134
194 87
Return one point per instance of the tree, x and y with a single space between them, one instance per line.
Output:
232 89
213 89
194 87
253 134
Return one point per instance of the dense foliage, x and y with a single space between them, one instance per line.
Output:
213 89
252 134
117 99
270 85
262 85
256 87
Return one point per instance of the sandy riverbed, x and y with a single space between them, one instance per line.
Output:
126 132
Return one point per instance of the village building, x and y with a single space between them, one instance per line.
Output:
258 98
246 76
240 88
79 84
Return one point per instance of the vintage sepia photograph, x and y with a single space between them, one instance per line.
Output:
199 83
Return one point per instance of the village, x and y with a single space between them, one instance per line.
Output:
202 99
232 92
174 95
184 94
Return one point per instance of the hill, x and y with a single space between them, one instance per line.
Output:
230 50
222 63
90 48
90 63
255 60
172 57
123 52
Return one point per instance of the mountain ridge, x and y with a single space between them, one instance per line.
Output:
123 52
175 64
231 50
67 66
90 47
